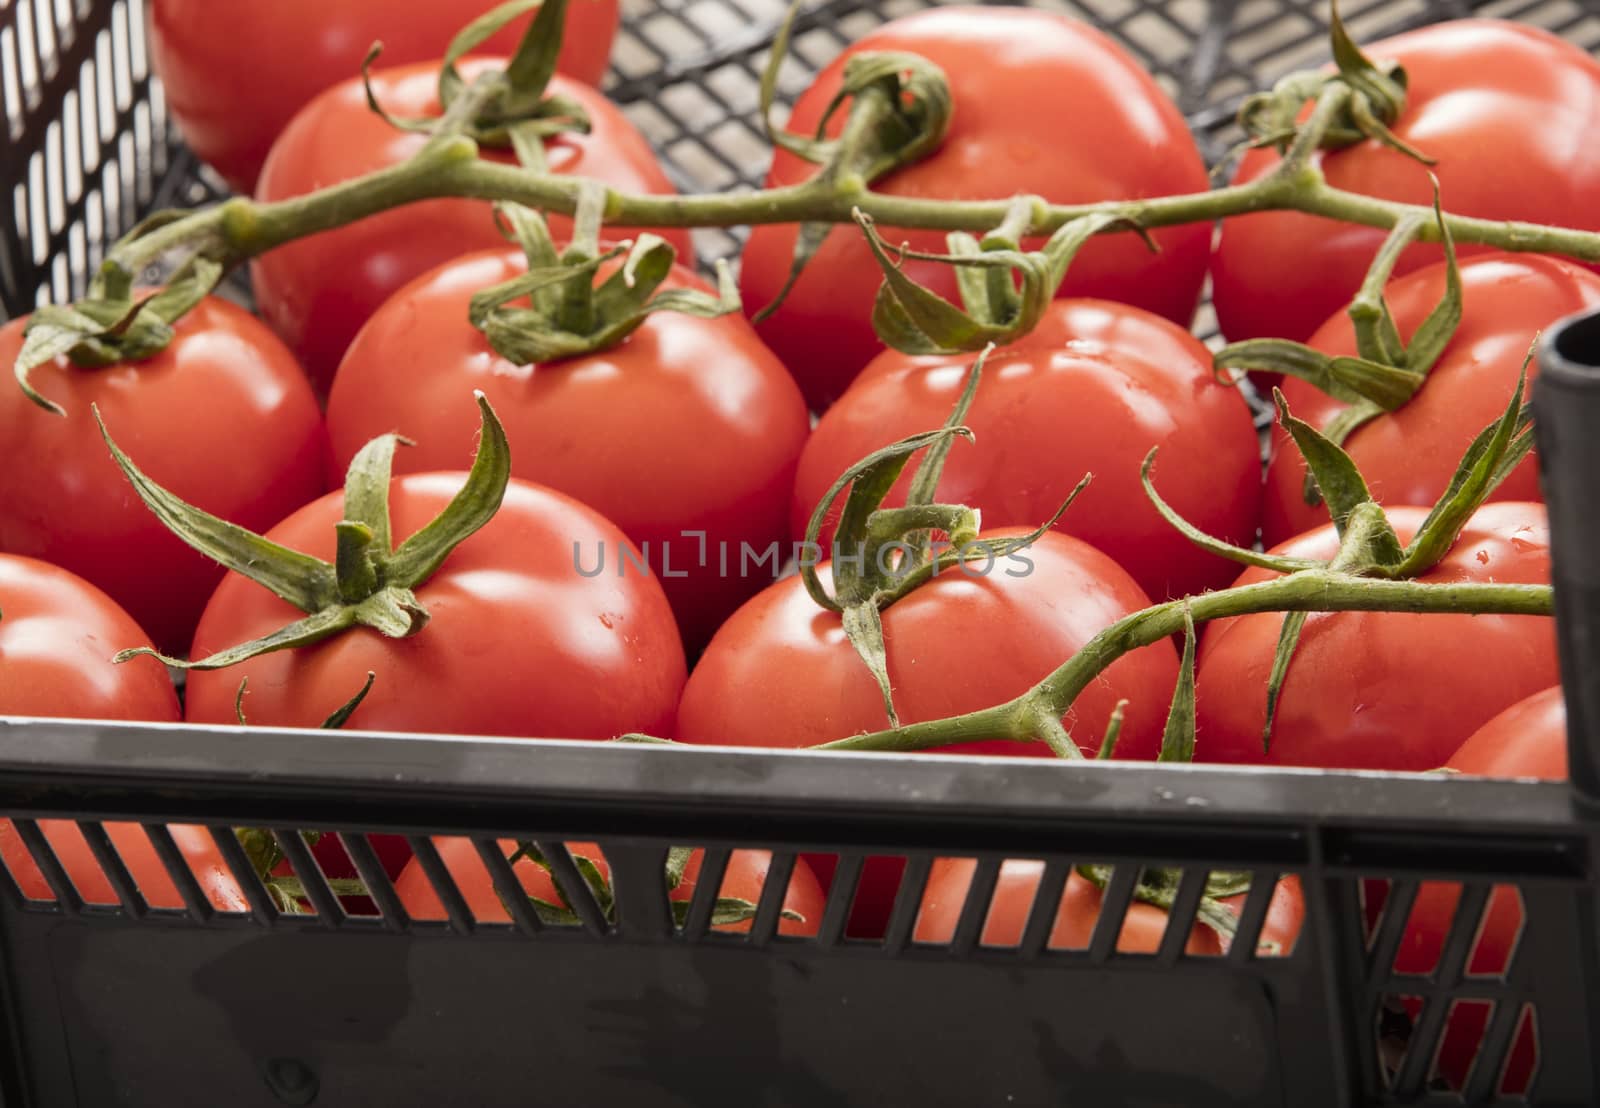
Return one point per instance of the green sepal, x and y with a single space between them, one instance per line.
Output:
1108 741
1494 452
1335 473
1177 738
869 481
1294 623
335 720
109 327
915 320
1219 547
1350 379
900 112
566 315
368 585
864 627
505 108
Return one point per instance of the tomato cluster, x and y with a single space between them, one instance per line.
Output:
630 578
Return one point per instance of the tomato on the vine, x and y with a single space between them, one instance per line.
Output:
222 416
57 635
1043 104
1143 925
781 673
1409 455
517 641
685 435
742 879
1091 389
296 48
1495 102
1382 690
318 291
1528 739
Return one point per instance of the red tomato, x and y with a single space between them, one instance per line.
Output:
1483 96
518 642
57 636
318 291
215 59
1043 104
1409 455
1143 925
1529 739
222 417
780 672
1092 389
743 879
1382 690
689 425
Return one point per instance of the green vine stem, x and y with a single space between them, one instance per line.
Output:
239 228
1307 590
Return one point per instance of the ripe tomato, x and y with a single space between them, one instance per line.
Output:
318 291
1360 682
1143 925
297 48
1528 739
57 635
743 879
780 672
518 642
1092 389
689 425
222 417
1043 104
1409 455
1483 95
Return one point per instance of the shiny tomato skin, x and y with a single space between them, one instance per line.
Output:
222 417
1483 95
1382 690
780 672
743 879
317 292
214 59
1528 739
57 636
1043 104
1089 391
1143 925
1408 456
690 425
518 642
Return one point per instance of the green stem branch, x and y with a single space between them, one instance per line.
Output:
1311 590
240 228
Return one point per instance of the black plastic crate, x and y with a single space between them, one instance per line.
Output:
128 1002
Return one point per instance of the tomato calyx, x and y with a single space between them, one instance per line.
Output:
900 111
112 324
1368 544
556 311
725 910
1372 96
1386 371
505 107
916 320
881 554
369 583
262 846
